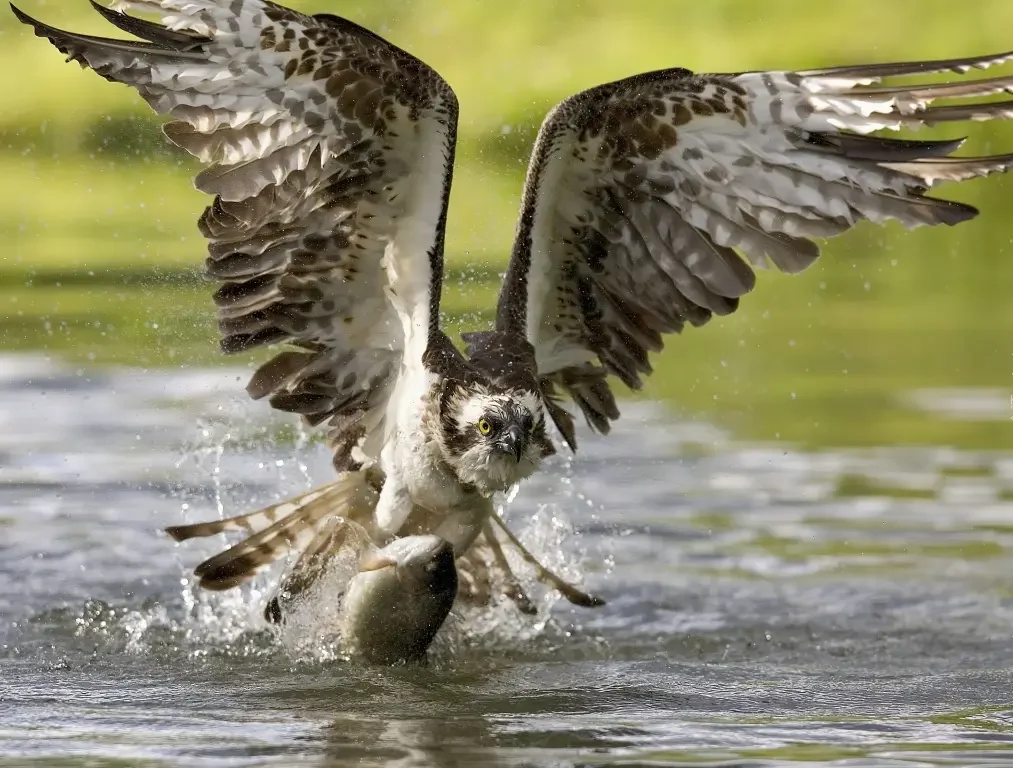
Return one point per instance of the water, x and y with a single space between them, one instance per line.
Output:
766 606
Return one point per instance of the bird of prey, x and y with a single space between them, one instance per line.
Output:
647 206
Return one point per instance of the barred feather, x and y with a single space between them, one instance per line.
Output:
649 204
650 201
329 153
291 526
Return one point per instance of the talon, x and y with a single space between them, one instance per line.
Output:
570 592
513 589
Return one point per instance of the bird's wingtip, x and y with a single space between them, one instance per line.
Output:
41 29
21 16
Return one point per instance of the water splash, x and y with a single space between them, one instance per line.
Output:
234 463
549 535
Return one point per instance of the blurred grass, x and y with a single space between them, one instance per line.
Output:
97 213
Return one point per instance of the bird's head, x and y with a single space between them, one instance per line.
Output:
494 438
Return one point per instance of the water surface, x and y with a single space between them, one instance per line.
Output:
766 606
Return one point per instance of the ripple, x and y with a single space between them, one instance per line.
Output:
767 606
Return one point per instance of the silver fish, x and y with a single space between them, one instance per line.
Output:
399 599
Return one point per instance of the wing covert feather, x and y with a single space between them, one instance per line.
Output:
329 153
650 201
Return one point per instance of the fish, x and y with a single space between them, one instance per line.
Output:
397 602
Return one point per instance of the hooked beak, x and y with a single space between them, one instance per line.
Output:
512 442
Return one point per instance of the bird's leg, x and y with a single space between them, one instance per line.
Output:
462 525
512 588
570 592
392 509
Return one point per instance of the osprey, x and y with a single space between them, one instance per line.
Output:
647 205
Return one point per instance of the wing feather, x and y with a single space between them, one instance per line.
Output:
329 153
650 201
290 526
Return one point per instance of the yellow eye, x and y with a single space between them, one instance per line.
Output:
484 426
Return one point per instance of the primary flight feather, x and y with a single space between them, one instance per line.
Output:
648 204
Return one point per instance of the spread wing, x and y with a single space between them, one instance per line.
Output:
650 201
329 152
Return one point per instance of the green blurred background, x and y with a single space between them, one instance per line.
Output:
100 250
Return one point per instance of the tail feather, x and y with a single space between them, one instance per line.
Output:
243 560
249 523
292 525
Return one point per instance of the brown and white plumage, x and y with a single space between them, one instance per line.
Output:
650 201
302 524
328 153
648 204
